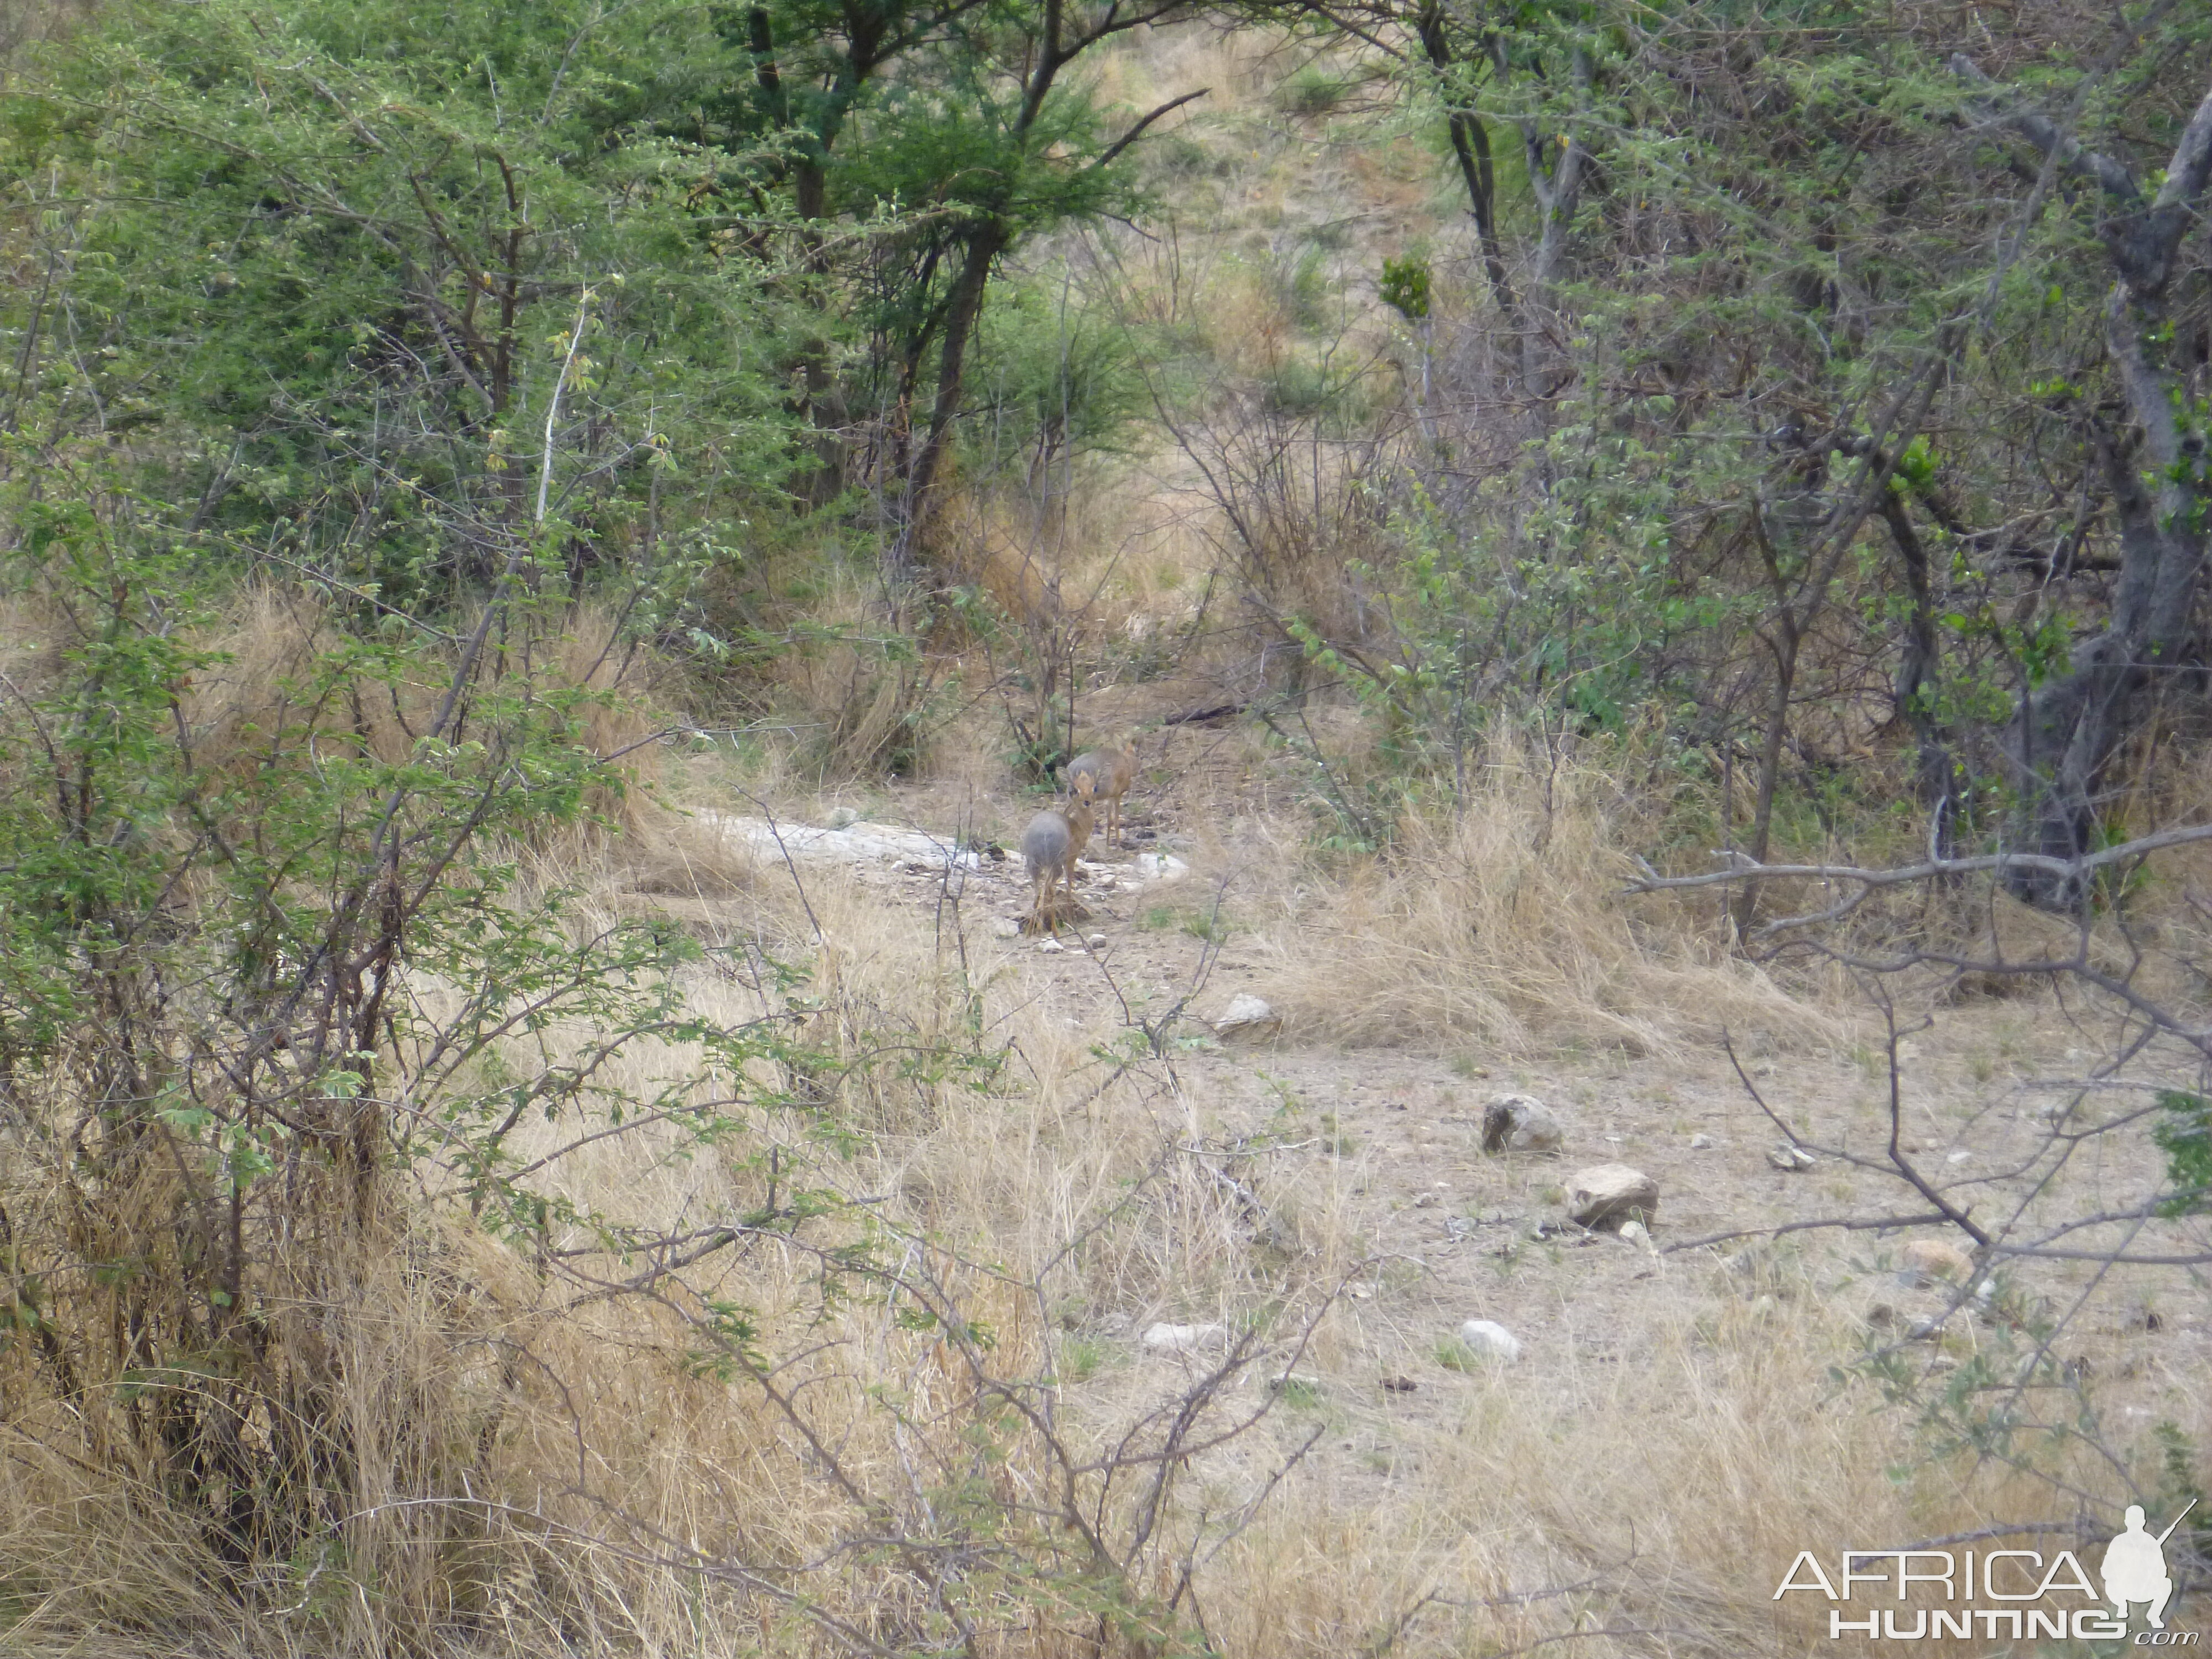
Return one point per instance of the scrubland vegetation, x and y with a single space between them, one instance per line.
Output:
1652 554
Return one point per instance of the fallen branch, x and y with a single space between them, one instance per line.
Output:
1739 868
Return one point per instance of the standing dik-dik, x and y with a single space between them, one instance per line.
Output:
1111 770
1052 843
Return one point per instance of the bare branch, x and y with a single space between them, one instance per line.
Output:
2040 130
1743 869
1138 131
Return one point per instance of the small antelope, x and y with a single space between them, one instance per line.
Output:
1110 771
1052 843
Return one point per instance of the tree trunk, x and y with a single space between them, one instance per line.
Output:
1470 143
1919 671
2065 732
1557 163
963 308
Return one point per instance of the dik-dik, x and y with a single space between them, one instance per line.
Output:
1111 771
1052 843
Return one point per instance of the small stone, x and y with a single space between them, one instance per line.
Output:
1520 1123
1050 946
1006 927
1425 1201
843 817
1490 1340
1247 1016
1791 1158
1959 1156
1163 1338
1294 1382
1635 1233
1097 941
1611 1193
1400 1384
1938 1258
1701 1143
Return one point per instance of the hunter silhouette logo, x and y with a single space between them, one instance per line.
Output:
2135 1567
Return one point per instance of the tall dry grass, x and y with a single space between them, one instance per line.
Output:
1506 924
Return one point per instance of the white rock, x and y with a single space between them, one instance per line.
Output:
1791 1158
853 840
1006 927
1181 1339
1520 1123
1097 941
1491 1340
1635 1233
1247 1016
1611 1193
1050 946
1160 867
1701 1143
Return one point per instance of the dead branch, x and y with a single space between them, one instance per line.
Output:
1740 868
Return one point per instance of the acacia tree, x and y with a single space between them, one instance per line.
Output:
978 137
2159 476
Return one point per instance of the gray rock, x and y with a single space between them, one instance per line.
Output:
1701 1143
1791 1158
1520 1123
1490 1340
1246 1017
1006 927
1164 1338
1635 1233
1606 1194
843 817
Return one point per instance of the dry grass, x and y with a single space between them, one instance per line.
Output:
1506 926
